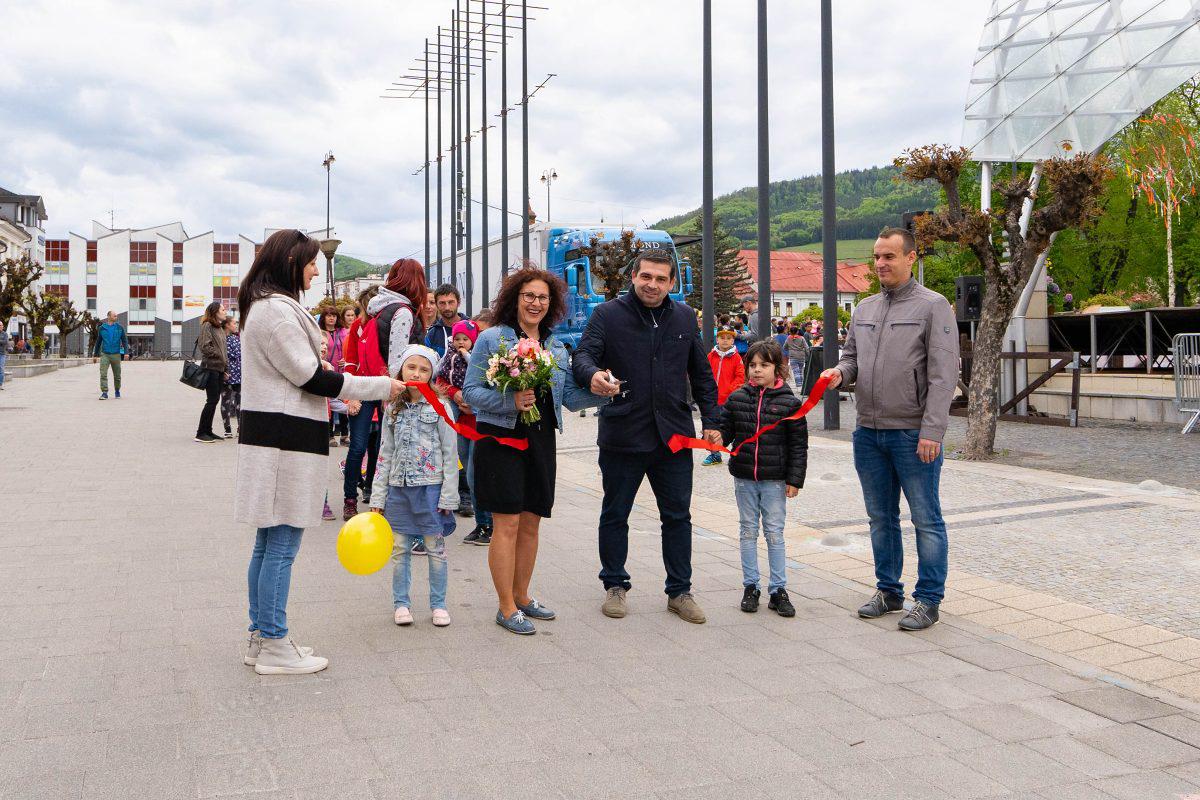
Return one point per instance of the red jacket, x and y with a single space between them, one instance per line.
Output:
350 347
728 371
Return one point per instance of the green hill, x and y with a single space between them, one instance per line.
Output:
860 249
346 267
868 200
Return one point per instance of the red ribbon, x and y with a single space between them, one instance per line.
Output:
462 428
680 442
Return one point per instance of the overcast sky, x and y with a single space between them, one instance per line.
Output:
219 113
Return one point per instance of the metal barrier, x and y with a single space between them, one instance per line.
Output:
1186 350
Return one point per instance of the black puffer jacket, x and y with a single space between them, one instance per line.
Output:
781 454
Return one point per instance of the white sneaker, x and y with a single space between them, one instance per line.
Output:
403 616
441 617
254 647
283 657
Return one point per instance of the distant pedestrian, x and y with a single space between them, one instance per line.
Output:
765 472
109 349
904 375
214 360
4 345
750 332
730 374
231 394
283 449
334 331
796 350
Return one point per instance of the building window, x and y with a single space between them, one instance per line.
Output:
812 305
177 304
177 253
225 253
788 306
91 252
91 304
848 308
177 269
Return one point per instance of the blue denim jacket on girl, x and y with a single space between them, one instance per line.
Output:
499 408
418 449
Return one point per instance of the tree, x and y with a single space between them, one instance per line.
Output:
39 308
15 277
67 319
91 324
610 260
1161 163
817 314
1068 197
728 270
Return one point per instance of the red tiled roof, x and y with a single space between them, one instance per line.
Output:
802 272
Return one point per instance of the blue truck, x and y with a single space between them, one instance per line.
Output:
558 248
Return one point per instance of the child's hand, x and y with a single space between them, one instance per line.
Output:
463 405
792 491
376 510
445 511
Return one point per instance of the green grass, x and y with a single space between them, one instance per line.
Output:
846 248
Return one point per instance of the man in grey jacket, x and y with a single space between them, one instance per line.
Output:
902 356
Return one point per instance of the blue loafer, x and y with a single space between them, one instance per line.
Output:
536 610
516 623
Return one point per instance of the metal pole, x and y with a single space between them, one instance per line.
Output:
1092 336
829 278
921 270
547 199
328 256
1149 344
524 132
427 161
483 238
453 151
764 182
439 156
469 283
708 248
504 141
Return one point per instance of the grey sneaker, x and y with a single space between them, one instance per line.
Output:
614 603
535 610
687 608
880 604
254 648
920 617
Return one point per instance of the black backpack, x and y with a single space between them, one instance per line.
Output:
383 330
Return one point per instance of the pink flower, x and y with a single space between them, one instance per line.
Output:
514 372
528 347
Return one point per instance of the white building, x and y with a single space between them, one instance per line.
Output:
158 279
21 231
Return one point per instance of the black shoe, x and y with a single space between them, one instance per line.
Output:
485 536
881 603
466 509
750 599
781 603
206 438
921 616
473 536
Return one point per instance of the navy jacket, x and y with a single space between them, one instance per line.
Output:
656 363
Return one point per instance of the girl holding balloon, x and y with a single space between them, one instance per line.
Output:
416 478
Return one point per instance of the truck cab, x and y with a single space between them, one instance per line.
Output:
564 257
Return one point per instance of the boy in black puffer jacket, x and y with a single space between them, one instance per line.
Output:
767 471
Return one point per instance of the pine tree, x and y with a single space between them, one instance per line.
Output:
729 273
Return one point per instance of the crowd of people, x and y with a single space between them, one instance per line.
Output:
402 381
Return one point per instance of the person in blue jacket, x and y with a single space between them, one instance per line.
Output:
652 344
109 348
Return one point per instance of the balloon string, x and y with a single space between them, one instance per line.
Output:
680 442
462 428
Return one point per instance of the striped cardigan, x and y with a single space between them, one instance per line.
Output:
283 440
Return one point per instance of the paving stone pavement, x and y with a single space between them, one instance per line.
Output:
122 589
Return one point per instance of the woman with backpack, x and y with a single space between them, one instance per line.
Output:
392 324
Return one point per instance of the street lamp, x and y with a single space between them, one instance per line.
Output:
548 177
327 163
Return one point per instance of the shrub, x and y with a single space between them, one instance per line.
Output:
1103 300
817 314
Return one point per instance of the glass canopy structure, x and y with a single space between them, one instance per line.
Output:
1057 75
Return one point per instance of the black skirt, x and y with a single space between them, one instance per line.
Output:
511 481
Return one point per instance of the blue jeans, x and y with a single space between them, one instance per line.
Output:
670 477
464 475
482 516
270 577
887 463
360 440
766 500
3 358
402 569
797 373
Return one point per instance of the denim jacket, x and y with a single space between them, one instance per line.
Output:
499 408
418 449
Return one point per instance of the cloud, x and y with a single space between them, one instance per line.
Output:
219 113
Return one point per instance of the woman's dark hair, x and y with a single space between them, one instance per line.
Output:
277 269
770 352
407 277
337 318
505 305
210 313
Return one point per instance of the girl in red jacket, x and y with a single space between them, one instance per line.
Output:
729 373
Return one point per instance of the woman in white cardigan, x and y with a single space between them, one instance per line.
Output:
283 442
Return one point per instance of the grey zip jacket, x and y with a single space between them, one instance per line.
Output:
902 357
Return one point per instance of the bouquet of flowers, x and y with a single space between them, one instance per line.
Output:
525 366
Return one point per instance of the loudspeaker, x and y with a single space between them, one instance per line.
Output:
968 297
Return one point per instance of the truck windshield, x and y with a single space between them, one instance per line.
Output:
596 276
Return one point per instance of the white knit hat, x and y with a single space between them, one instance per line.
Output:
427 353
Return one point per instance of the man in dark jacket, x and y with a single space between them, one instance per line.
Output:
441 332
643 349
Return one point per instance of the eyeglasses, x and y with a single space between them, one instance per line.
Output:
531 298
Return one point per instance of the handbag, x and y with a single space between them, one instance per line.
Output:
194 375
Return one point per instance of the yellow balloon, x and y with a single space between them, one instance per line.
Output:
364 544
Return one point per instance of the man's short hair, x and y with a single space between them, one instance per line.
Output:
750 299
445 289
909 243
655 255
